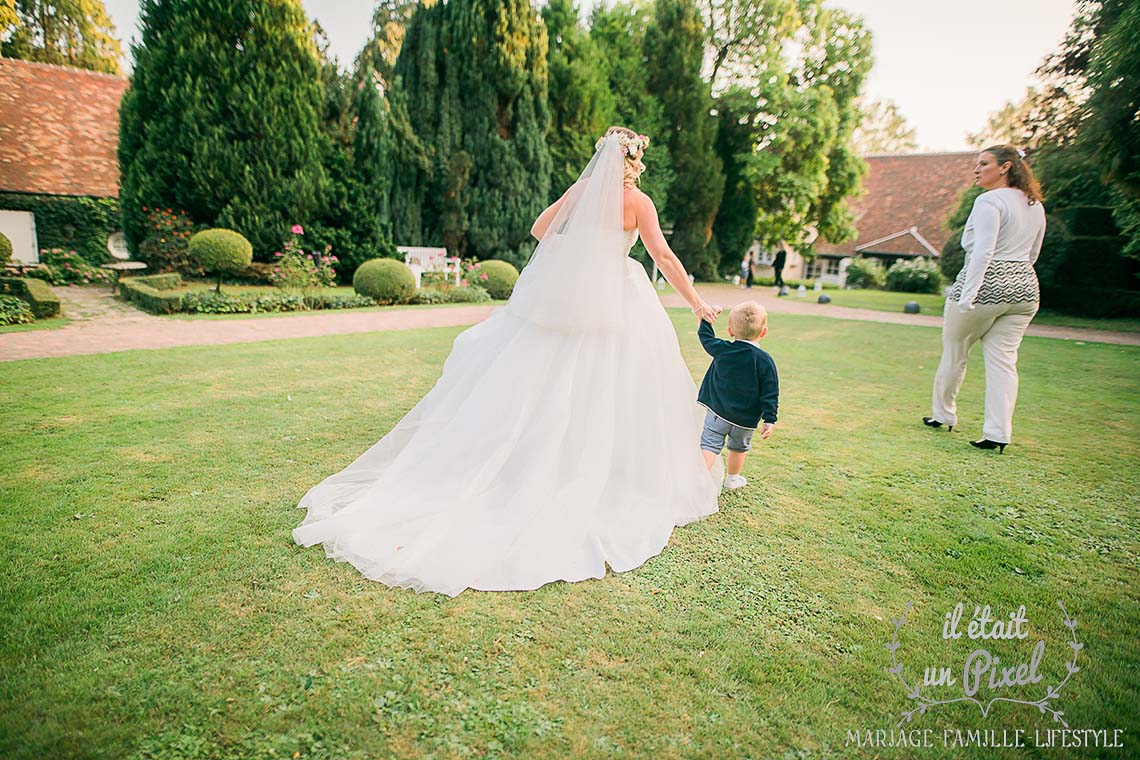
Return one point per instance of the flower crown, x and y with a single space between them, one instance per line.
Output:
630 146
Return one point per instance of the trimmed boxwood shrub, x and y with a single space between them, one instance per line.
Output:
5 249
36 293
143 293
914 276
221 251
387 281
168 281
501 278
865 273
334 301
15 311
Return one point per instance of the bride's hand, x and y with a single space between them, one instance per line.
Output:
706 312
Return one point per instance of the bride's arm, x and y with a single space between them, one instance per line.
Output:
538 229
670 266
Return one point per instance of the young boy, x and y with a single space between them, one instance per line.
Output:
740 389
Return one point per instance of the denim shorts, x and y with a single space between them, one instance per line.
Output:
718 429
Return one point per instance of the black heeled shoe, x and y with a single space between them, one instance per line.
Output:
931 422
986 443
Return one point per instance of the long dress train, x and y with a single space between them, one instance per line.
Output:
544 452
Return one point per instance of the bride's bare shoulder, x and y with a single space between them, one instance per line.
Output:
636 199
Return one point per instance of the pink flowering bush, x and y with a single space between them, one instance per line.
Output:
473 273
62 267
294 268
496 277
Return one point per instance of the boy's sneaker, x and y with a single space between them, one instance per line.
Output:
732 482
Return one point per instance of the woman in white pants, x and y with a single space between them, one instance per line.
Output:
995 295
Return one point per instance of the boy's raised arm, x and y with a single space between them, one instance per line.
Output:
712 344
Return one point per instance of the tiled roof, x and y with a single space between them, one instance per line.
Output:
59 129
903 191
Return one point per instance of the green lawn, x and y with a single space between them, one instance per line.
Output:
40 324
154 605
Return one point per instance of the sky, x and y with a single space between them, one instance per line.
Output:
947 64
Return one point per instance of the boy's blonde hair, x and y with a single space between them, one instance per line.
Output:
748 320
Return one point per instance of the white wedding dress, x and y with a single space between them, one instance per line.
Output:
562 436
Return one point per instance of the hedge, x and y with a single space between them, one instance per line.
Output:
73 222
40 298
1092 302
152 292
167 281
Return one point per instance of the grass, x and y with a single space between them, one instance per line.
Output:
153 604
50 323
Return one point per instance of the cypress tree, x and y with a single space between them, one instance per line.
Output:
496 74
674 49
581 103
618 35
223 118
421 120
372 150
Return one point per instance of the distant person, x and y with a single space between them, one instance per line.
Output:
996 294
778 267
746 271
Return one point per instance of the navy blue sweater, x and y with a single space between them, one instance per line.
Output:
741 385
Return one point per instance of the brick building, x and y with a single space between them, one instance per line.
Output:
59 137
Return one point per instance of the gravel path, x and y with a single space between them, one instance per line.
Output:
103 324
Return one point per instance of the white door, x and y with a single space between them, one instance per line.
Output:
20 228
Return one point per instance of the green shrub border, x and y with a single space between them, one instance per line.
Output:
1092 302
73 222
150 293
37 293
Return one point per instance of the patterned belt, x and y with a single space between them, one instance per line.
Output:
1004 282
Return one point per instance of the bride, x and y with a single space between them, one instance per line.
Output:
563 433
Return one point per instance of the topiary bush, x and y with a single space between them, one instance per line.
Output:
221 251
496 277
915 276
387 281
5 249
865 273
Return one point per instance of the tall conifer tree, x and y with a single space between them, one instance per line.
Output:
581 103
674 49
497 55
222 118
